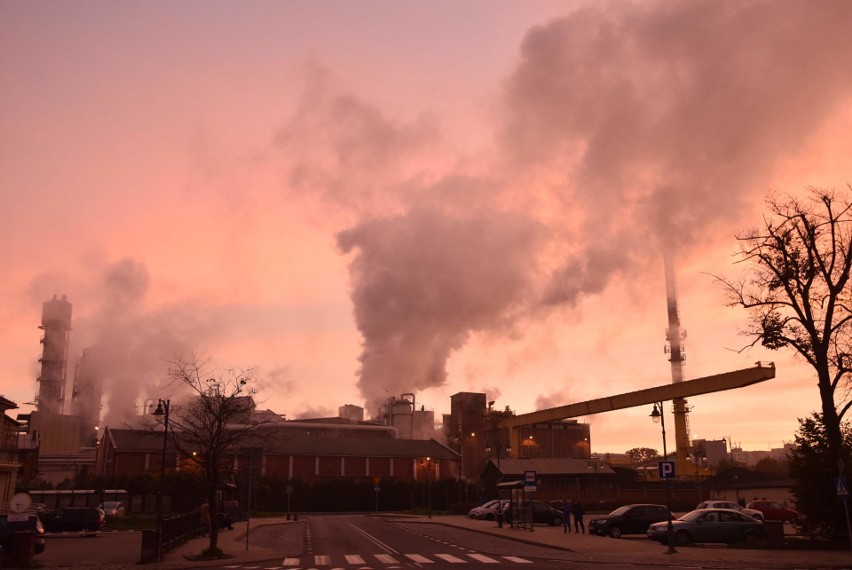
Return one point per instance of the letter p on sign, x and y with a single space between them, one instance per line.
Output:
667 469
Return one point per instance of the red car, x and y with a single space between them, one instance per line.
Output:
773 511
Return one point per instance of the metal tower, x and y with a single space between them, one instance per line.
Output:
56 323
675 337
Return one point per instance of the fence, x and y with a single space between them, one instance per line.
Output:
174 532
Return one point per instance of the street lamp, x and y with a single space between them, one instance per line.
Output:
163 407
658 417
499 477
428 463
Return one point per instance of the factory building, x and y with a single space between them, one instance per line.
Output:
402 413
471 430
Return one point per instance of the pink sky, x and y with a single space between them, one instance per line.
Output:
362 199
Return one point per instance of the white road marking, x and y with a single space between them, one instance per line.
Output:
386 559
518 560
483 558
451 559
291 562
322 560
353 559
420 558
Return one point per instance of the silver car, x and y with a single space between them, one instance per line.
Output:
477 512
710 525
753 513
112 508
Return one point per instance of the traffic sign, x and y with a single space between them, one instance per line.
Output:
529 480
841 485
667 469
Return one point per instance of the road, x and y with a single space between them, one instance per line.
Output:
359 542
114 549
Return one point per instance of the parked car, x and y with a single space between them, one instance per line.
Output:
476 512
38 508
112 508
753 513
9 528
710 525
73 519
629 519
773 511
543 513
491 509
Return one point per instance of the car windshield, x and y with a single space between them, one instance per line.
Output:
109 505
619 511
692 515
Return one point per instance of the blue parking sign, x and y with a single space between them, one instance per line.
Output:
667 469
841 485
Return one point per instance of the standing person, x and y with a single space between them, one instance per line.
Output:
566 516
578 511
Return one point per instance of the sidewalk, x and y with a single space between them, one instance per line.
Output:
269 539
639 550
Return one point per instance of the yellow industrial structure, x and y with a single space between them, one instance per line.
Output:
668 392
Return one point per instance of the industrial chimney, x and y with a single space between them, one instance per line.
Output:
56 324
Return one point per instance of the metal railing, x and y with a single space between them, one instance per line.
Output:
175 531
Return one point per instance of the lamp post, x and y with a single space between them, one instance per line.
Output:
499 478
428 463
659 417
163 407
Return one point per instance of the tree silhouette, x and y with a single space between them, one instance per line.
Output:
797 292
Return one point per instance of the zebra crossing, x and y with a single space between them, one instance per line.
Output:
326 562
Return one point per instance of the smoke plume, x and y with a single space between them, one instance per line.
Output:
624 127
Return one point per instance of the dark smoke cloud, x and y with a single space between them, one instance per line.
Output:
624 128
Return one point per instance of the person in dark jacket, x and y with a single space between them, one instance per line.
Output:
577 510
566 516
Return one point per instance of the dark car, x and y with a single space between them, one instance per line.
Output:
773 511
629 519
710 525
9 527
74 519
543 513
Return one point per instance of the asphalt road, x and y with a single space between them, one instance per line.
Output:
106 549
352 542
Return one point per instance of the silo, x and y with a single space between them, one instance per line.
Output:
56 324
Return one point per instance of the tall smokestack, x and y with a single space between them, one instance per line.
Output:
56 323
675 335
88 394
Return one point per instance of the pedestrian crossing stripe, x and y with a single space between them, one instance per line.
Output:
483 558
450 558
518 560
293 563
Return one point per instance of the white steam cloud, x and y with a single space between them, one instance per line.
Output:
624 127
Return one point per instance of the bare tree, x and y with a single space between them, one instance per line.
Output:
209 425
797 292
